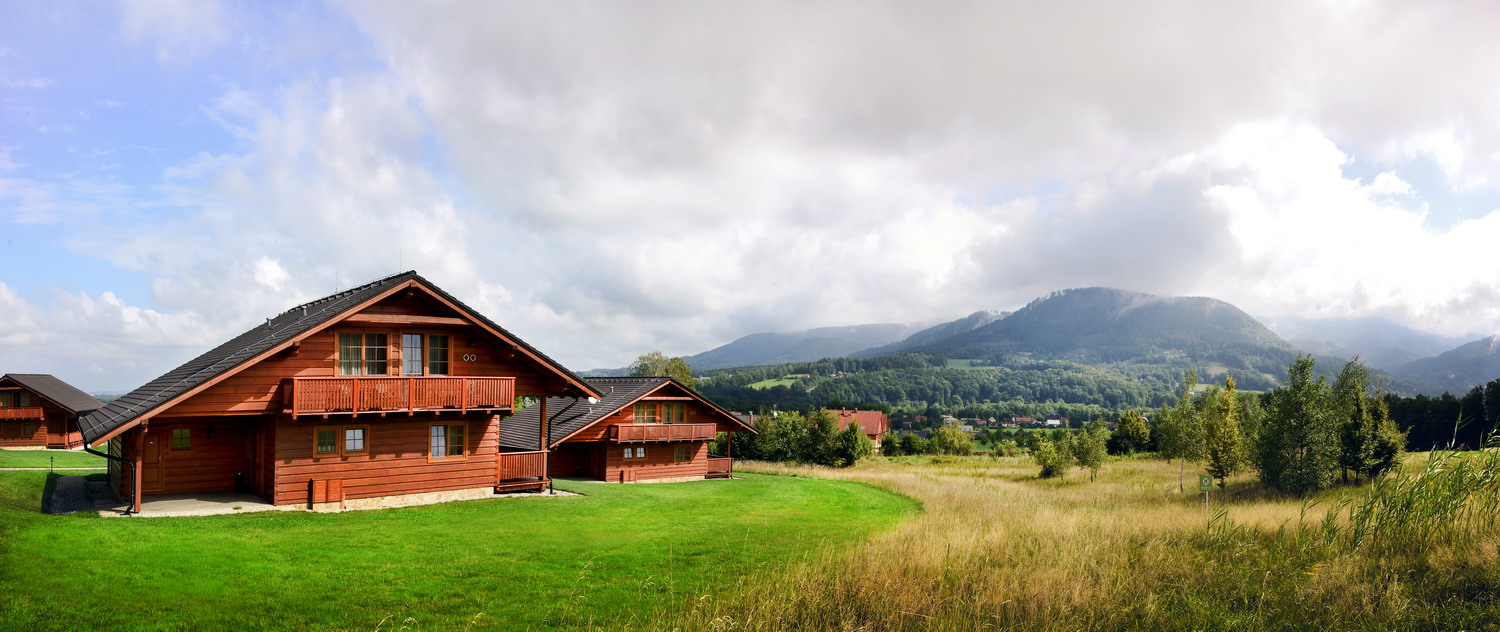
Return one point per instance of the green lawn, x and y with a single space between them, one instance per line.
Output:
44 458
964 363
604 560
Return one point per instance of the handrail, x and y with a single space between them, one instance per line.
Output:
378 393
642 433
23 412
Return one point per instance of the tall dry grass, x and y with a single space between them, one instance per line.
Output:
996 548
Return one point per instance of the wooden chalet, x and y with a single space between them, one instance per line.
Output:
639 428
39 410
386 393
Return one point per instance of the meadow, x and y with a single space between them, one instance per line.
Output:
610 558
997 548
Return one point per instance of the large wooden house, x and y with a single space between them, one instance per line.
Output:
387 393
39 410
639 428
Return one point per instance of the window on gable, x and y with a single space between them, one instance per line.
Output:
182 439
362 354
446 441
645 413
673 413
417 347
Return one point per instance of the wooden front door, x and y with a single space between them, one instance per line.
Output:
153 476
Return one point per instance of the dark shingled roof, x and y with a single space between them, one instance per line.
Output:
569 415
60 392
247 346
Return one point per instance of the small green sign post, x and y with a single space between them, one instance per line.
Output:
1205 485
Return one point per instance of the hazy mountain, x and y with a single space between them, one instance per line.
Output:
801 346
1109 325
1457 370
935 334
1379 343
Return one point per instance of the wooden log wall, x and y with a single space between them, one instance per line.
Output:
12 431
660 462
397 462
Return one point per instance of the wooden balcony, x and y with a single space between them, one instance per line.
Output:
720 467
516 471
25 412
380 394
651 433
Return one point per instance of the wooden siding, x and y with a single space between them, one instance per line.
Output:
48 421
397 462
660 462
573 459
257 389
215 458
600 430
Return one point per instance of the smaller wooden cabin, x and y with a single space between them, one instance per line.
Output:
640 428
39 410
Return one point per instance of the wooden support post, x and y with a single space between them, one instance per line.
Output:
542 443
140 458
729 451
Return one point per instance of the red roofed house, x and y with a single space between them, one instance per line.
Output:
871 422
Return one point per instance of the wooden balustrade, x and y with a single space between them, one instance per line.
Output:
324 395
24 412
720 467
647 433
515 471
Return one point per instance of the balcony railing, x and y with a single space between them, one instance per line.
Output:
516 471
720 467
646 433
31 412
325 395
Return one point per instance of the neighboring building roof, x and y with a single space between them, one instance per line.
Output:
59 392
251 345
569 415
871 422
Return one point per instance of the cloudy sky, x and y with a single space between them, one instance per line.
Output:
607 179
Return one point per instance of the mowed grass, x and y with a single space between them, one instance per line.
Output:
609 559
997 548
50 458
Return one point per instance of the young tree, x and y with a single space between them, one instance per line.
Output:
1052 457
820 439
1351 402
1390 442
1088 447
891 445
657 364
1179 432
1133 435
951 440
1299 446
912 443
851 445
1221 438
